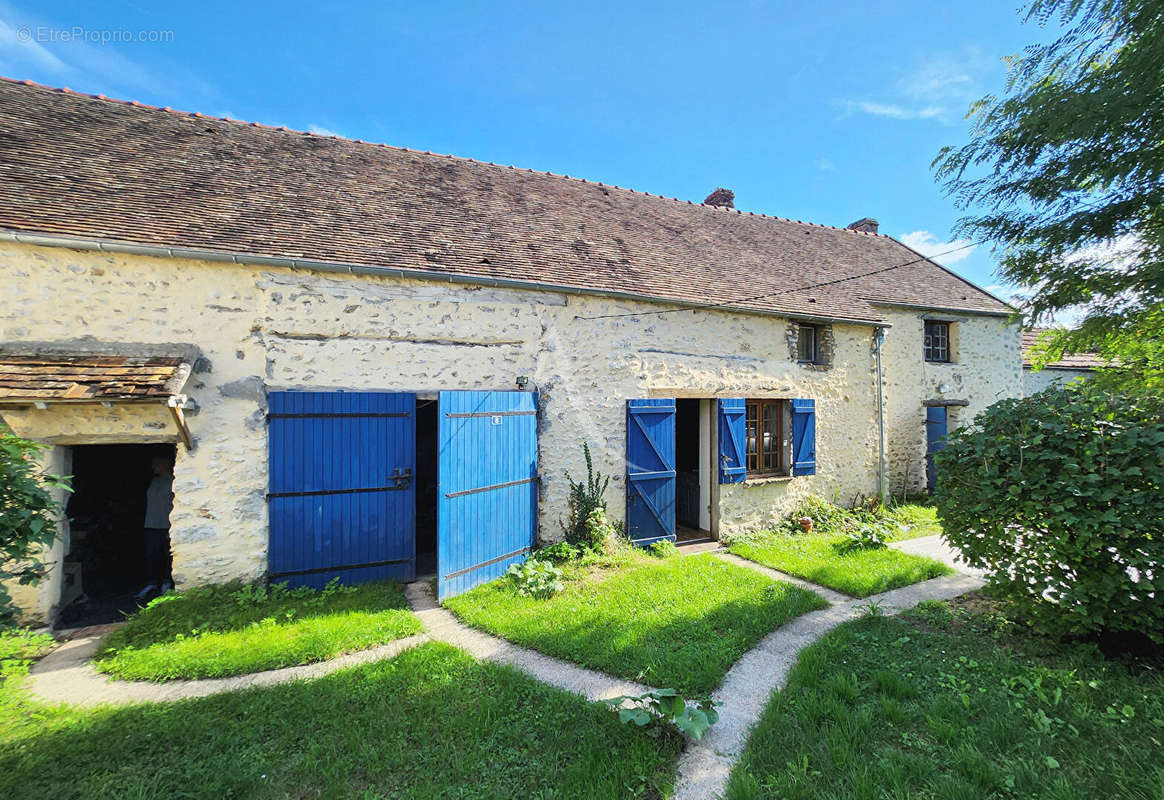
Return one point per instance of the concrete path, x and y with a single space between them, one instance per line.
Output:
66 676
705 766
936 548
776 575
444 627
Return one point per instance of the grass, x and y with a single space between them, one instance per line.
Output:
823 559
430 723
214 631
678 622
947 702
914 520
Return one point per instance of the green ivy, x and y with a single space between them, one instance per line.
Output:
1059 498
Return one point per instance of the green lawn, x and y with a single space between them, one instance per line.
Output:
915 520
214 631
679 622
822 559
943 704
430 723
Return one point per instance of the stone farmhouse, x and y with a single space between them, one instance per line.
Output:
372 362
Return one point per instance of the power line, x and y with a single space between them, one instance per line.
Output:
738 300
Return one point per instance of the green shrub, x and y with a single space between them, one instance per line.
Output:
534 578
28 514
1058 497
690 717
583 528
557 553
663 548
826 517
866 536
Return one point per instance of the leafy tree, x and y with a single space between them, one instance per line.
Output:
1064 171
1060 498
28 514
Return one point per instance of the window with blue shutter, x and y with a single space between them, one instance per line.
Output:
732 453
803 437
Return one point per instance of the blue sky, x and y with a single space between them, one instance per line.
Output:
826 111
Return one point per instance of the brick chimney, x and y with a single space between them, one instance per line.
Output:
724 198
864 225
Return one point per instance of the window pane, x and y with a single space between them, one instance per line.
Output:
771 436
806 343
750 434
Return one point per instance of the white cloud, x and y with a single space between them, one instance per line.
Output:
824 165
17 47
945 253
939 89
894 110
322 131
32 47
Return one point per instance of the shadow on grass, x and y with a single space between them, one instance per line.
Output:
430 723
668 637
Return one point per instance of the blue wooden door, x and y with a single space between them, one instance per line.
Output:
650 470
487 493
936 429
341 496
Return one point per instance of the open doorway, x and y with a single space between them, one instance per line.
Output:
106 512
692 468
426 488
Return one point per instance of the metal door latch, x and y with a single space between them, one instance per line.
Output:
401 478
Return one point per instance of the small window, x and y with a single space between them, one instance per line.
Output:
764 429
806 345
937 341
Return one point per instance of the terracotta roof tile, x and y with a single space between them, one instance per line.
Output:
76 165
56 377
1069 361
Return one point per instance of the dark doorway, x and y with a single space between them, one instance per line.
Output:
687 466
426 487
106 512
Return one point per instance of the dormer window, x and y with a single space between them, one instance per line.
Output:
937 342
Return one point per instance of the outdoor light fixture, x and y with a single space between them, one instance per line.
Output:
943 388
522 381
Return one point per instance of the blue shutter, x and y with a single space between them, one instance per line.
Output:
650 470
341 499
487 490
936 428
803 437
732 445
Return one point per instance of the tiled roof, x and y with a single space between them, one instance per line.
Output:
80 377
1070 361
87 167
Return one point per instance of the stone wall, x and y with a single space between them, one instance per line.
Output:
263 329
986 367
1035 381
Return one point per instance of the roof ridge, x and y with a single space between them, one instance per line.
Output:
405 149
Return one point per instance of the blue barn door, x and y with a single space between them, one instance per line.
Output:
650 470
936 429
487 493
341 497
